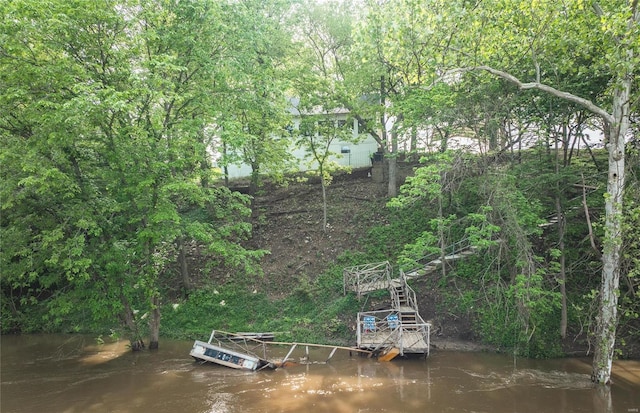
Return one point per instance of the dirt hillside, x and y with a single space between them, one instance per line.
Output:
288 222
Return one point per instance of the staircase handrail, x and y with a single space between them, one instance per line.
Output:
410 293
395 299
411 297
451 249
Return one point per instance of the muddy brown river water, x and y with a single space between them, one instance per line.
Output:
73 374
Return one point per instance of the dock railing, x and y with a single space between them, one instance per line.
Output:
424 330
239 342
367 277
378 329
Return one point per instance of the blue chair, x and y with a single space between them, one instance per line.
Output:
392 319
369 324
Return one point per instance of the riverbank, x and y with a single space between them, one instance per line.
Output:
287 221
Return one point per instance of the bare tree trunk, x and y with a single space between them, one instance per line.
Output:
609 289
588 218
443 245
393 160
414 143
562 278
393 166
226 167
324 204
254 182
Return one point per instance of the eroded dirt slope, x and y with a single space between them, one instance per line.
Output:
289 223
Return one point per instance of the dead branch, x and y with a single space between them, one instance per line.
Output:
586 213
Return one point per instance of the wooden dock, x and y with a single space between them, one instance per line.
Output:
240 351
401 327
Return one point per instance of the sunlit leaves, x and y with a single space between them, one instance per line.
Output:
104 147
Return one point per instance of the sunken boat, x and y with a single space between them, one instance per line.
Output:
229 350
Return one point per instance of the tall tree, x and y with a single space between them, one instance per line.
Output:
543 44
256 64
324 38
111 105
402 45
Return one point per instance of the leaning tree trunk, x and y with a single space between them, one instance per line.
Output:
608 310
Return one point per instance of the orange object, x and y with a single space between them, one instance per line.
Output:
389 354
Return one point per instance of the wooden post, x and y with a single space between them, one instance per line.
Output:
289 353
332 353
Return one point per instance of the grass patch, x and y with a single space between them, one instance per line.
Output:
315 312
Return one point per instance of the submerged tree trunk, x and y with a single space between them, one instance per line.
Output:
154 323
128 319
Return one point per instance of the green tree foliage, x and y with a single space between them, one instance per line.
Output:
593 67
316 135
103 126
324 41
255 81
109 112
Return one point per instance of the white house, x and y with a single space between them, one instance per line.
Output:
356 153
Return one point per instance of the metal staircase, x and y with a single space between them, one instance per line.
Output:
401 327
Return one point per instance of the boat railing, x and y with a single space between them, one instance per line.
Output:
239 342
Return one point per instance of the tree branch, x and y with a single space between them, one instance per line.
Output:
587 104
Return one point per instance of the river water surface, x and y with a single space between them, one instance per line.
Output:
73 374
